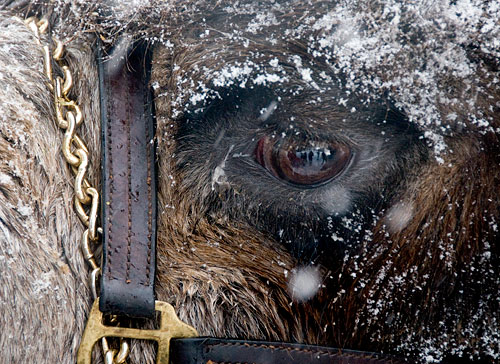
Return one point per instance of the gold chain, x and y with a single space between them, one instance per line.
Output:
86 202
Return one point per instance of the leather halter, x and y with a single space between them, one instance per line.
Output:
129 226
128 186
213 351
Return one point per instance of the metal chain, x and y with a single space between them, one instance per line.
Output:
86 202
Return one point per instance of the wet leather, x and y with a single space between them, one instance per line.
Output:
128 186
213 351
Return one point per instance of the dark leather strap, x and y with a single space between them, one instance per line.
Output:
222 351
128 184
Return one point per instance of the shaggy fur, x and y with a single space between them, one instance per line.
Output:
418 276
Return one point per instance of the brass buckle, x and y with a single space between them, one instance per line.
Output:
170 327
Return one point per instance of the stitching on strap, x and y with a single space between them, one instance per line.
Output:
129 193
149 148
303 350
111 185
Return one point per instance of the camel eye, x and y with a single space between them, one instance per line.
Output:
305 166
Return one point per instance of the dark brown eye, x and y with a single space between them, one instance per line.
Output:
302 165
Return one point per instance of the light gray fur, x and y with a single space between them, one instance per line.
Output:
43 275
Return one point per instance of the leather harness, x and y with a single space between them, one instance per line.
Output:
129 233
128 187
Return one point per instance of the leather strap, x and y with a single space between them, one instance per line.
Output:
222 351
128 184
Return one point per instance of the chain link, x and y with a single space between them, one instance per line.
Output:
86 201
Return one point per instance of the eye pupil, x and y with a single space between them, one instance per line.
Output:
308 167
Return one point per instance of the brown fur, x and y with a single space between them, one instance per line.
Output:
431 286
